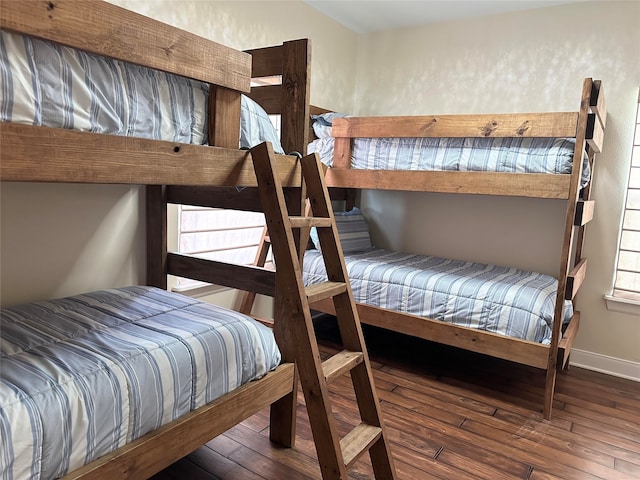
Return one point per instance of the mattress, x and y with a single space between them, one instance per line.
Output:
84 375
496 299
46 84
510 155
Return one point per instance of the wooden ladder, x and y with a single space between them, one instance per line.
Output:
294 328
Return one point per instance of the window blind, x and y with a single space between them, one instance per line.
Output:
627 284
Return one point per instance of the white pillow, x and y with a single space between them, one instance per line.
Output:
256 126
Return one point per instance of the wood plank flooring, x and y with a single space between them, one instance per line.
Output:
451 414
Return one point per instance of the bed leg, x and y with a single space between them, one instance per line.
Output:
549 389
283 417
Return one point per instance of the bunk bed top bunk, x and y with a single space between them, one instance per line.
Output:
529 319
131 38
535 151
135 333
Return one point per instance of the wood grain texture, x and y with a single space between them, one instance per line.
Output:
224 117
483 183
527 353
242 277
452 414
105 29
125 160
561 124
575 278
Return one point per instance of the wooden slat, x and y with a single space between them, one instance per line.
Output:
598 103
595 133
320 291
340 363
232 198
485 183
515 350
160 448
584 212
125 160
561 124
267 61
575 279
106 29
246 199
242 277
341 155
224 117
358 441
568 337
302 222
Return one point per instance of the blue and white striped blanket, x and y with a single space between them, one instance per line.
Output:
496 299
45 84
511 155
84 375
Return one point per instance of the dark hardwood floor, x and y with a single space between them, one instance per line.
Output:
451 414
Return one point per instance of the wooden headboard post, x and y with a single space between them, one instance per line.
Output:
290 99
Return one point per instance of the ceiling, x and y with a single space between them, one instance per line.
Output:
363 16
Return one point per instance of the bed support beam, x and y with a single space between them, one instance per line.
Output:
232 198
537 185
242 277
124 160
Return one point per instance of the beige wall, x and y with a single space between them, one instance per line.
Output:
63 239
518 62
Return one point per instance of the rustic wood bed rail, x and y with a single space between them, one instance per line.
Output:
556 124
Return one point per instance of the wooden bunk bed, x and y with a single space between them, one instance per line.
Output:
585 127
172 172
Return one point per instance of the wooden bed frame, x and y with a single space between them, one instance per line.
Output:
585 125
172 172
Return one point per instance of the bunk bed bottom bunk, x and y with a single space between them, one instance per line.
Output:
132 375
503 312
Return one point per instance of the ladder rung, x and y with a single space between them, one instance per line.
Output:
340 363
320 291
301 222
358 441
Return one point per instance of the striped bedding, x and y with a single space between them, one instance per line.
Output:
511 155
496 299
84 375
45 84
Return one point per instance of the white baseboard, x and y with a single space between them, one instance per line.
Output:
617 367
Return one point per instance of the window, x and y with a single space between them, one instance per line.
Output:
217 234
627 283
